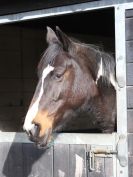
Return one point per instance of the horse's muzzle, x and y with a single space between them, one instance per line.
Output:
40 141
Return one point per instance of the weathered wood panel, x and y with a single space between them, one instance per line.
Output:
103 167
129 29
11 160
130 74
129 52
129 57
37 162
15 161
108 167
130 120
99 168
61 160
25 160
130 153
4 149
130 161
130 144
130 97
129 13
77 161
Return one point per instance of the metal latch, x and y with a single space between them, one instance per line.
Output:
107 151
100 151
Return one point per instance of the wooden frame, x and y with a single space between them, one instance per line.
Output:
121 78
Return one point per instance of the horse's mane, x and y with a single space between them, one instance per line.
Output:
95 55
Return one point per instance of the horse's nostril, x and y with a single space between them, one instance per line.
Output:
34 131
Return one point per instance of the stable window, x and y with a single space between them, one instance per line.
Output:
21 47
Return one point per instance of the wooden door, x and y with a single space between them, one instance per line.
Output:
69 157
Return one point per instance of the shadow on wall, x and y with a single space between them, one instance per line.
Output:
24 160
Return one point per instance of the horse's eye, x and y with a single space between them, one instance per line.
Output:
58 76
58 73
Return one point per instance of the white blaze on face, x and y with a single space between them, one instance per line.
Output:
28 125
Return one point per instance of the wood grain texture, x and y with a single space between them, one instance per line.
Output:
130 120
129 13
15 160
130 144
77 161
130 74
61 160
108 167
129 28
129 51
130 167
4 149
99 168
130 97
37 162
26 160
12 163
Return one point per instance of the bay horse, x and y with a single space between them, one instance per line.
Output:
76 89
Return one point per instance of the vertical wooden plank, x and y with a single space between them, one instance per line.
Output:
61 160
129 28
37 162
44 165
129 52
130 163
15 160
4 149
77 161
130 144
108 167
99 168
11 163
130 120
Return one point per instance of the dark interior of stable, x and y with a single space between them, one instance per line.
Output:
21 47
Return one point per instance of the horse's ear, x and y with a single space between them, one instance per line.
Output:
51 36
64 39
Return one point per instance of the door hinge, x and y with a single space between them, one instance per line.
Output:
122 152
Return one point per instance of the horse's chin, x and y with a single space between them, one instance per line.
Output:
43 142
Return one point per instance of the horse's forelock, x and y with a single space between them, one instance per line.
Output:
49 56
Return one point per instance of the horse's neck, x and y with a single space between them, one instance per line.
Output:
94 114
103 108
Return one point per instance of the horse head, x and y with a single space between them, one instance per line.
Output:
67 79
